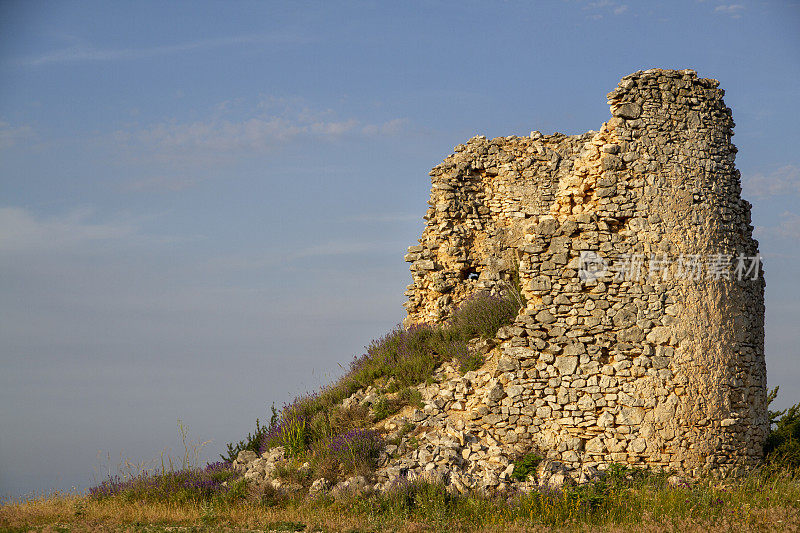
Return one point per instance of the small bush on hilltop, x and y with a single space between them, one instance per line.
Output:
407 355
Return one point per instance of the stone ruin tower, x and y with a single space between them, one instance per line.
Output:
656 357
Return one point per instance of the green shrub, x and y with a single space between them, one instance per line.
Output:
383 408
294 437
269 496
526 467
782 447
410 396
479 316
320 426
294 474
473 361
482 315
254 441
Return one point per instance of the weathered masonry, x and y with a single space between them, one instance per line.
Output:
661 366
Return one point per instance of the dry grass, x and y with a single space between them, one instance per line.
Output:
76 512
71 512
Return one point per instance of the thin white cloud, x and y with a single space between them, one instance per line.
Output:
732 10
272 123
10 135
392 127
600 8
22 231
784 181
333 129
788 227
88 53
220 135
79 230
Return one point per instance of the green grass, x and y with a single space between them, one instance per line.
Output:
525 467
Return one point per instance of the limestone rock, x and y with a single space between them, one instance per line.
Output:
318 486
352 486
628 111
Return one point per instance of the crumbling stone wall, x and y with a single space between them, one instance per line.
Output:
663 369
483 199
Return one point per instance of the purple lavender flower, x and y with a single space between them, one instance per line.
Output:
191 483
356 446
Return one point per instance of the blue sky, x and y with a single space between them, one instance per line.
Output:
204 205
